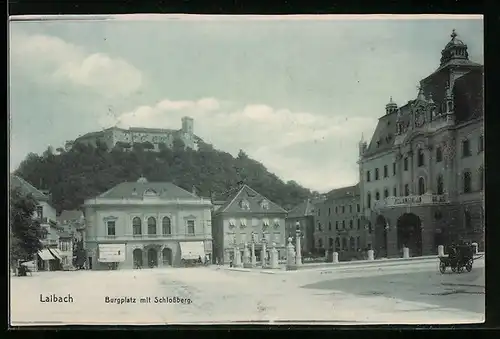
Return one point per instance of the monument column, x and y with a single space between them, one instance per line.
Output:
298 249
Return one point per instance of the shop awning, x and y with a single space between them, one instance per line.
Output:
45 255
192 250
55 252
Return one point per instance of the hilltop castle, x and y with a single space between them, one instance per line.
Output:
156 136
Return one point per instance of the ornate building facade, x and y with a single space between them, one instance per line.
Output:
243 216
153 136
156 224
421 175
339 225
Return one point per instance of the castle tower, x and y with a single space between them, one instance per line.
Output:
362 145
187 125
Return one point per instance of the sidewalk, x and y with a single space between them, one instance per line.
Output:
345 264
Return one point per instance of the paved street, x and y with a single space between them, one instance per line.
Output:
403 294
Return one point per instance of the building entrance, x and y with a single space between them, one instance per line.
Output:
410 233
152 258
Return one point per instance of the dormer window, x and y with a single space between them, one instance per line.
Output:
244 204
150 192
264 204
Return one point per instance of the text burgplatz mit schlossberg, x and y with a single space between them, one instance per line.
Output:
147 300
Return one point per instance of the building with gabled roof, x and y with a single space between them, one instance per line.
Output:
244 215
421 174
303 215
145 223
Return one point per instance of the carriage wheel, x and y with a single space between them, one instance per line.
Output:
442 267
468 266
453 269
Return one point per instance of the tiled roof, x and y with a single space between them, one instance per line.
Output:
65 234
384 135
306 208
27 188
254 199
136 190
350 191
73 215
454 62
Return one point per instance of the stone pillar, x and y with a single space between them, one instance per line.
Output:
371 255
406 252
160 257
475 247
440 251
290 255
263 254
253 258
237 257
335 258
298 250
274 256
246 255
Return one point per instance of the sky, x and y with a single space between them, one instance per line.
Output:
296 94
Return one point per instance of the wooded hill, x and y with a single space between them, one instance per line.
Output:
85 171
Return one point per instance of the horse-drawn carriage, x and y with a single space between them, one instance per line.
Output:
459 257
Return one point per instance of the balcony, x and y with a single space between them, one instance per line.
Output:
49 242
411 200
151 237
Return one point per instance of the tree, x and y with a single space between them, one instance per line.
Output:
25 231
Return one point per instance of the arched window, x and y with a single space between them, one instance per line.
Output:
337 244
320 243
407 190
344 244
330 243
386 193
352 244
421 186
136 226
440 185
166 226
420 158
467 182
151 225
377 195
369 200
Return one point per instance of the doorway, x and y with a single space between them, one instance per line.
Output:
410 233
152 258
167 256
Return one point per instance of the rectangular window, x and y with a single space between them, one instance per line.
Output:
358 224
319 212
368 176
466 148
329 211
343 224
376 174
111 228
343 209
329 225
336 225
386 171
190 227
394 169
439 154
350 208
336 210
480 146
358 208
351 224
394 191
405 164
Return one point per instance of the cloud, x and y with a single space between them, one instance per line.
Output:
49 59
290 144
